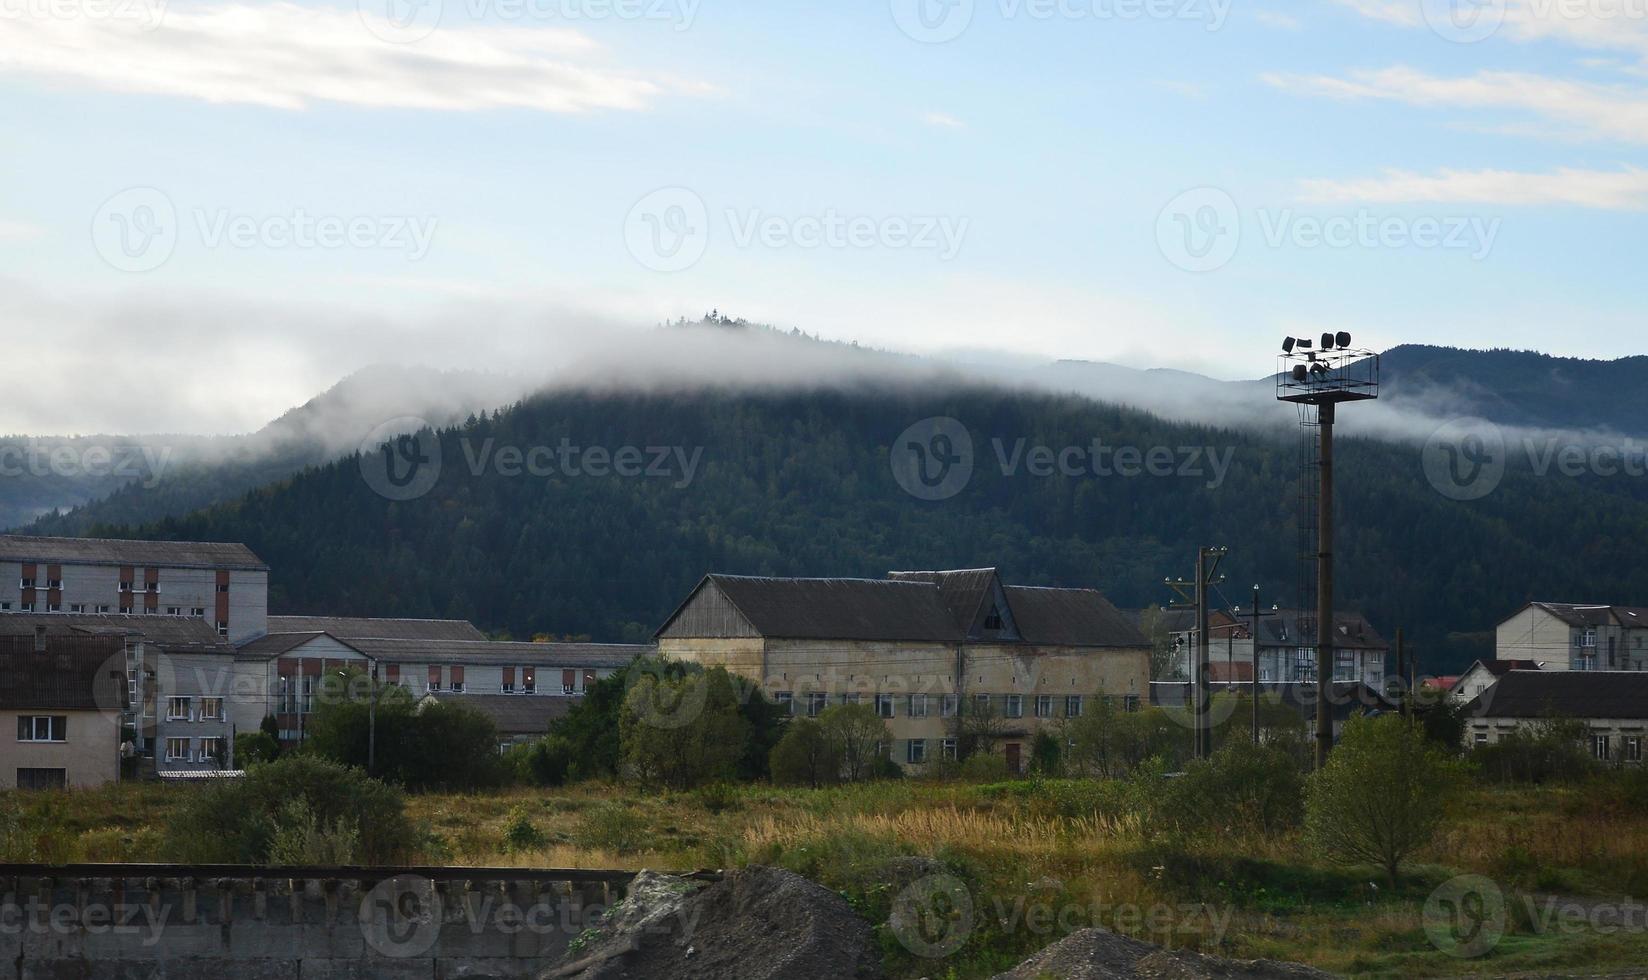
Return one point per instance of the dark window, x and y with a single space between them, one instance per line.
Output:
42 778
42 728
993 620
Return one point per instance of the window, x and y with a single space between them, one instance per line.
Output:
816 702
26 606
1044 706
947 749
177 709
1583 661
125 586
1600 746
198 612
54 607
1015 706
915 751
1630 748
77 607
177 750
1073 706
529 680
785 701
174 610
1480 738
993 621
1587 639
42 778
306 701
947 704
884 705
42 728
918 706
54 583
852 698
5 607
211 709
1130 703
223 586
28 583
103 608
211 750
981 704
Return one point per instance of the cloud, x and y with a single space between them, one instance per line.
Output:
1614 190
1620 25
1278 20
1567 108
285 56
19 231
944 120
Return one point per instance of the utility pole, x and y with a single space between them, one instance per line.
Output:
372 718
1324 590
1254 635
1207 566
1402 675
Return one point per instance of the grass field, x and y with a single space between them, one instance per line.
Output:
1037 859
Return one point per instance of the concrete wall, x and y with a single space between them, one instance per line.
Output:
90 754
1534 634
1627 737
208 929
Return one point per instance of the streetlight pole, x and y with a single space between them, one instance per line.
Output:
1253 635
372 717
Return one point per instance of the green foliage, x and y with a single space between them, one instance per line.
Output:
1382 794
522 834
1110 742
982 768
1551 750
1046 755
549 760
300 837
1242 788
591 727
270 726
858 737
805 756
296 803
421 745
680 729
252 748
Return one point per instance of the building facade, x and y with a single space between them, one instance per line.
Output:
225 585
1613 705
61 699
1570 636
928 650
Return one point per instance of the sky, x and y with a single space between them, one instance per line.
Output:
212 211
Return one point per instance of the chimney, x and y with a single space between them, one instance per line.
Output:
39 639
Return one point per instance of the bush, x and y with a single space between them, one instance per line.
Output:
682 728
300 838
252 748
983 768
522 834
1547 751
805 756
420 745
548 761
1242 787
1381 795
299 803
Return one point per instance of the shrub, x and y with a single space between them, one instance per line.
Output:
984 768
1242 787
522 834
300 838
805 756
1547 751
718 797
238 821
680 729
549 760
855 731
1381 795
252 748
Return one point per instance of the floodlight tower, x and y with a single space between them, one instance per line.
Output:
1321 376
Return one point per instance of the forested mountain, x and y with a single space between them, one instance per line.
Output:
1522 388
801 484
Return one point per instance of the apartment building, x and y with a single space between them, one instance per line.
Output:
1287 647
927 649
224 585
61 699
522 686
1572 636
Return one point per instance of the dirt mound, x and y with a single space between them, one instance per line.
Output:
1099 954
755 924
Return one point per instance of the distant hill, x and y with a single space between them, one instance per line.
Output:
1522 388
801 484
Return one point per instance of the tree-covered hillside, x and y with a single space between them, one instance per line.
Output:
801 485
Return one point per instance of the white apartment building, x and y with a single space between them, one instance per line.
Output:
1573 636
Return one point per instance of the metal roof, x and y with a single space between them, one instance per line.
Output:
75 673
963 590
502 653
1071 618
112 551
353 627
841 608
1564 694
515 714
181 633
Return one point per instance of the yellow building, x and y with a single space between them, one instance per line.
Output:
942 656
61 699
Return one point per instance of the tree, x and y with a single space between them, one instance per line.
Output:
857 735
681 730
979 728
1381 796
1164 663
805 756
426 744
252 748
1046 755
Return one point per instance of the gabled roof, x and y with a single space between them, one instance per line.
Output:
1576 614
75 673
502 653
1500 668
1071 617
514 714
1292 627
275 644
963 590
1564 694
837 608
180 633
111 551
355 627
